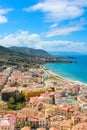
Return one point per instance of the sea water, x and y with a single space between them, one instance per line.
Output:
75 71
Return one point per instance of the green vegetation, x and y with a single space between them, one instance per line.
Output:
11 103
1 87
15 84
30 51
23 125
53 79
12 58
24 51
20 98
73 94
16 104
25 85
25 58
19 105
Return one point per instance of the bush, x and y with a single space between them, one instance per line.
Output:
72 94
19 106
1 87
11 103
16 104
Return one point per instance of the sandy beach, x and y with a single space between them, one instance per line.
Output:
62 78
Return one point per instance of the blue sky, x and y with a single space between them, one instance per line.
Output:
53 25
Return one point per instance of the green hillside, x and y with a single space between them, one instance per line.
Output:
30 51
19 56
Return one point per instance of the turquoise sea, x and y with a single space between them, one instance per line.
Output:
74 71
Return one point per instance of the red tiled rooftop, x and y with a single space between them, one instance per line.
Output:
21 116
53 128
9 89
41 128
26 128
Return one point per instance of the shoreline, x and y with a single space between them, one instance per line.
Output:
61 77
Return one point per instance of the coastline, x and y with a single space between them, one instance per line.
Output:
61 77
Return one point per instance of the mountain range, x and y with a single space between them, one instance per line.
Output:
22 56
23 51
27 57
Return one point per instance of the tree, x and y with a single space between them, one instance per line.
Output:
16 104
19 106
1 87
20 98
11 103
25 85
11 100
11 106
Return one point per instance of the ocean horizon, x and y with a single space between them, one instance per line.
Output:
73 71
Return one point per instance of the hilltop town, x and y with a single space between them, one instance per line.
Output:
40 99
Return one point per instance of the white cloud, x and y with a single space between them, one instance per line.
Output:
24 38
3 19
58 10
54 25
66 29
3 12
67 15
60 45
62 31
20 38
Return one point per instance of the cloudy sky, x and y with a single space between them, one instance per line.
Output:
53 25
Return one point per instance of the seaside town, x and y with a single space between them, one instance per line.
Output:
43 64
38 99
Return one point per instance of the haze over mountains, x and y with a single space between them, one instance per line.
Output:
65 53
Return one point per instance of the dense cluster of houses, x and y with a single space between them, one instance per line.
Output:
59 105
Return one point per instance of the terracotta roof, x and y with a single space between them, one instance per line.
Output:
9 89
64 108
53 128
82 126
41 128
26 128
21 116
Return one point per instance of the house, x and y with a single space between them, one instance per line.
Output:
80 126
43 122
7 123
21 118
41 128
66 125
26 128
53 128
